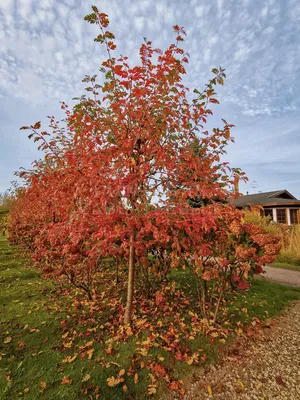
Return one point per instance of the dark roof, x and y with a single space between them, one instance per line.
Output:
277 197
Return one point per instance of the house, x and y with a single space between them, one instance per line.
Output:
280 205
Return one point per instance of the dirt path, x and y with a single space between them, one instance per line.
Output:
283 276
266 367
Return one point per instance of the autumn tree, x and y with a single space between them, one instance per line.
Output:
117 179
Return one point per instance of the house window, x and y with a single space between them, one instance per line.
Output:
269 213
294 216
281 215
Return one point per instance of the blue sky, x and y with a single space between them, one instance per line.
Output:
46 49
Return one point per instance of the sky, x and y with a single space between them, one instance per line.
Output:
46 49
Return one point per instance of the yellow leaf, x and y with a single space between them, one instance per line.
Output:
90 353
86 378
136 378
26 390
68 344
124 388
89 344
43 385
241 384
128 330
7 340
142 351
151 389
122 372
69 359
209 390
153 380
161 358
240 331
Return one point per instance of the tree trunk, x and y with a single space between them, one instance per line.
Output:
130 284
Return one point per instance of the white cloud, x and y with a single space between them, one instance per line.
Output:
139 23
220 5
62 10
7 6
264 11
24 8
199 11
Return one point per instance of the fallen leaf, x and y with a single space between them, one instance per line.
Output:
68 344
43 385
241 384
122 372
66 380
112 381
69 359
90 353
136 378
209 390
86 378
7 340
124 388
151 389
26 390
279 380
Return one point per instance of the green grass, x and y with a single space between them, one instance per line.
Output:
284 265
35 355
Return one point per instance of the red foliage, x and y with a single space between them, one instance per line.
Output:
115 182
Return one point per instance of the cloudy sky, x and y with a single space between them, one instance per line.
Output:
46 49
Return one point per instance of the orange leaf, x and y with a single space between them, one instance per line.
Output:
112 381
66 380
136 378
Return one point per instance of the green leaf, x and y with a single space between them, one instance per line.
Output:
100 39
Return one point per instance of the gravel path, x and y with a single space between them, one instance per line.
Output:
266 367
283 276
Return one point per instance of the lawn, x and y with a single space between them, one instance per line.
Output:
55 348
